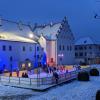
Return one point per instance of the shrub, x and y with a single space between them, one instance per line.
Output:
98 95
83 76
94 72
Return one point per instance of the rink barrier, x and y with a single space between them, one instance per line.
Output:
41 81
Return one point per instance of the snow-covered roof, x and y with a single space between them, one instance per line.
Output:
13 37
17 28
86 41
15 31
48 31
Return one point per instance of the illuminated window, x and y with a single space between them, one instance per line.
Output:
29 64
23 65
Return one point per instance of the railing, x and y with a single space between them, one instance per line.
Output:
41 81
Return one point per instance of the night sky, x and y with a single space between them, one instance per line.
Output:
80 13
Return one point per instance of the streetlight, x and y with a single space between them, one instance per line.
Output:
31 35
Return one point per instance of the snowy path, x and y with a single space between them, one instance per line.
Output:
9 91
73 91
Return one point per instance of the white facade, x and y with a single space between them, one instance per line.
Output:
58 42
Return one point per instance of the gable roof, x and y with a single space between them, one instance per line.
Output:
50 31
17 28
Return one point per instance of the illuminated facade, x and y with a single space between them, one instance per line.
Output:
17 50
58 42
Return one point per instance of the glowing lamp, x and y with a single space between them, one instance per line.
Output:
31 35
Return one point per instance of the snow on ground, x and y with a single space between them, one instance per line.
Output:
73 91
9 91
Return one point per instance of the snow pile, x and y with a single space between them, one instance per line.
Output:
73 91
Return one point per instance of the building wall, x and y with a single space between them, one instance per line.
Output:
19 52
51 54
86 53
65 51
49 48
65 45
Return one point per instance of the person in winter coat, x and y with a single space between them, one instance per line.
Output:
56 76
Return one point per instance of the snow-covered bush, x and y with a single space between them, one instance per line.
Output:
83 76
94 72
98 95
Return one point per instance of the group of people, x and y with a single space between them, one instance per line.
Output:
54 71
24 75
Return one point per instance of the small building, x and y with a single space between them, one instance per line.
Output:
87 51
58 42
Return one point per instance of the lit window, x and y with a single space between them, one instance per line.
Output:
23 65
29 65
